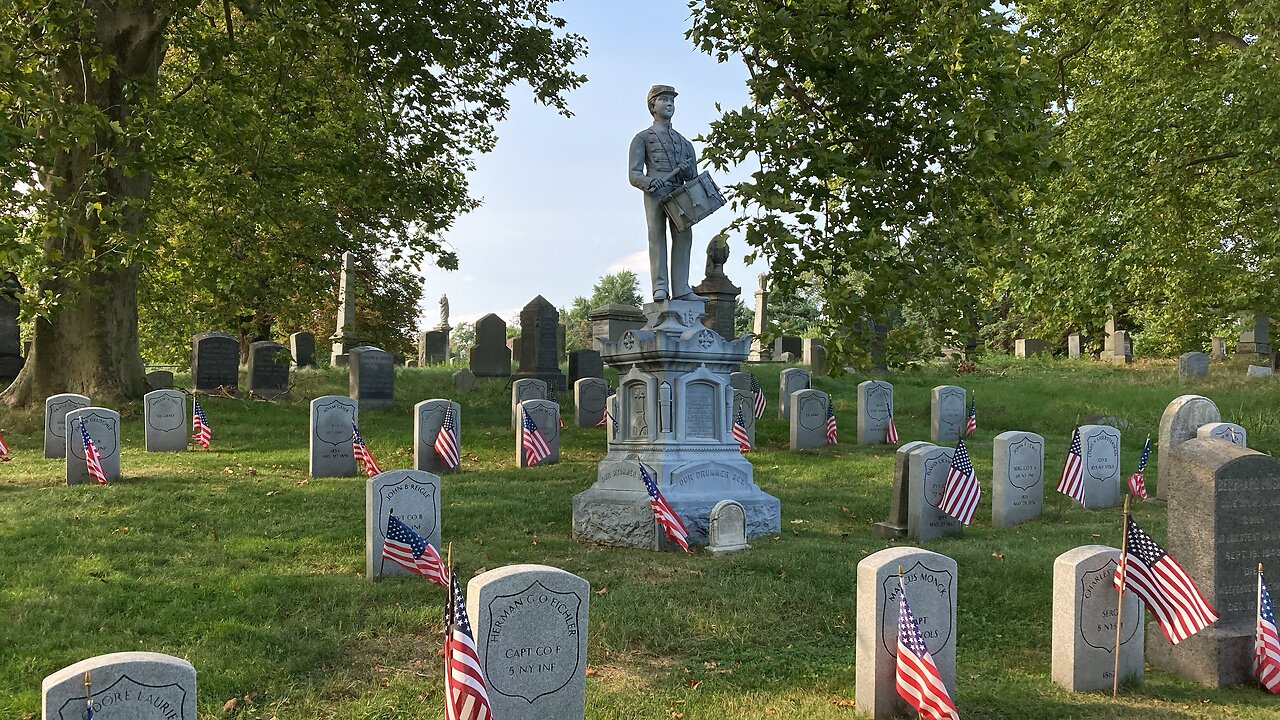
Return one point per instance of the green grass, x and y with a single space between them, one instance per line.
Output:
237 561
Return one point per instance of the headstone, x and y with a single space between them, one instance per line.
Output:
546 415
165 414
560 344
1075 345
1100 445
612 322
490 356
927 472
331 436
530 624
1117 348
1028 347
895 527
743 403
809 419
930 583
1255 339
268 369
761 322
104 430
414 496
947 413
124 686
513 344
1181 420
787 357
539 349
787 344
1229 432
1084 621
428 416
585 364
589 397
727 527
741 381
56 408
344 337
215 363
302 347
611 422
1258 371
160 380
1218 349
1017 484
433 347
815 356
464 380
875 408
525 389
721 294
371 378
791 380
1193 364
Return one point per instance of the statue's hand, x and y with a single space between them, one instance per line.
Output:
656 185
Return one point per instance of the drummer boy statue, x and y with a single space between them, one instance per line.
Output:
661 160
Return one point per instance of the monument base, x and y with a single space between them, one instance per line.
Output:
1216 656
889 531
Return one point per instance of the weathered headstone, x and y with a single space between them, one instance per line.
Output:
433 347
513 345
1218 348
371 378
268 369
787 344
546 415
490 356
612 322
1028 347
539 349
104 429
1117 348
428 416
165 413
56 408
331 436
414 496
1255 339
1193 364
1084 621
1230 432
1258 371
530 624
1179 423
791 380
815 356
928 468
895 527
160 380
525 389
1100 445
741 381
744 404
215 363
875 408
585 364
787 357
589 397
760 323
302 348
809 419
1075 345
727 527
930 583
1017 485
124 686
464 380
947 413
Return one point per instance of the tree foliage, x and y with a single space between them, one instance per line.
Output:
622 288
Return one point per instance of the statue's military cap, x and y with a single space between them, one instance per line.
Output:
657 90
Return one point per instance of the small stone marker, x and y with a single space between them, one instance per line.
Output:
744 404
927 472
1017 485
875 407
1084 621
331 453
414 495
371 377
428 416
464 380
160 380
215 363
268 370
530 624
727 528
104 429
1181 420
1229 432
1193 364
1100 445
124 686
165 414
947 413
490 356
585 364
1258 371
589 397
546 415
1218 349
809 419
791 380
1075 345
896 526
525 389
56 408
302 347
815 356
1028 347
930 583
788 357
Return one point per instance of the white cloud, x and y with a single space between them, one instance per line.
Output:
637 262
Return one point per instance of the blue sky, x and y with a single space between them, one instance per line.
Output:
558 212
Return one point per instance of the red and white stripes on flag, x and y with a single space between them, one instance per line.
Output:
917 676
757 397
465 694
1137 481
664 513
361 451
740 432
200 430
1266 644
1161 583
832 430
406 548
1071 483
891 432
447 445
532 440
92 459
962 492
4 451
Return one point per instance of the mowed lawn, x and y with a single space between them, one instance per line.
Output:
236 560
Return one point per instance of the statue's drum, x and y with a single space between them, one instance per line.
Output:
693 201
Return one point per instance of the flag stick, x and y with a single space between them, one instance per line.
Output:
88 690
448 628
1124 548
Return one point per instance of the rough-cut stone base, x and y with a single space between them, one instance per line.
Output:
1214 657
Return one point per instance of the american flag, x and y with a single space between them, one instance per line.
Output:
534 442
604 419
361 451
1137 486
757 397
831 421
891 432
4 451
411 551
740 432
200 430
447 440
92 460
1266 645
960 498
1071 483
663 513
1161 583
971 423
918 679
465 695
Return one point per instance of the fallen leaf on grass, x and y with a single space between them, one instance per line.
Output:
602 591
999 556
677 714
770 710
592 671
693 684
708 665
228 471
303 481
842 702
230 705
250 471
273 492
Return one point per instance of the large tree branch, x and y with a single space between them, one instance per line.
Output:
1214 158
1216 37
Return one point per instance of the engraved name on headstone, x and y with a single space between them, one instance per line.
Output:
104 429
809 419
1101 447
1084 621
947 413
123 686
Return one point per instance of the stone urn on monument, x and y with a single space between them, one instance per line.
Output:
673 408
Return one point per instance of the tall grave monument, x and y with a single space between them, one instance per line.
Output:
538 354
721 293
344 338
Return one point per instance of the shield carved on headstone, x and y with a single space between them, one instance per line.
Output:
103 432
879 400
932 602
517 668
164 413
1025 466
1100 456
1098 599
389 496
335 423
935 483
129 698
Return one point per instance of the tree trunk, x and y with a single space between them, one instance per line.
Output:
90 344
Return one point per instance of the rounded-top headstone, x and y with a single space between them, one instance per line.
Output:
1179 423
428 417
215 363
414 496
331 436
1230 432
464 380
875 409
727 527
124 686
1193 364
1084 621
165 416
103 425
56 408
809 410
1017 486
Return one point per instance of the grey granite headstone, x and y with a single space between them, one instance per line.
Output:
875 407
1084 621
215 363
947 413
742 381
809 419
525 389
1100 445
371 377
585 364
160 380
165 417
302 347
1181 420
546 415
815 356
787 344
589 397
124 686
743 403
490 356
930 583
611 422
928 468
1075 345
530 624
56 408
464 380
1017 484
428 416
1193 364
433 347
895 527
104 430
331 453
1230 432
414 496
1255 339
727 527
1258 371
1117 347
539 343
791 380
1029 347
268 369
